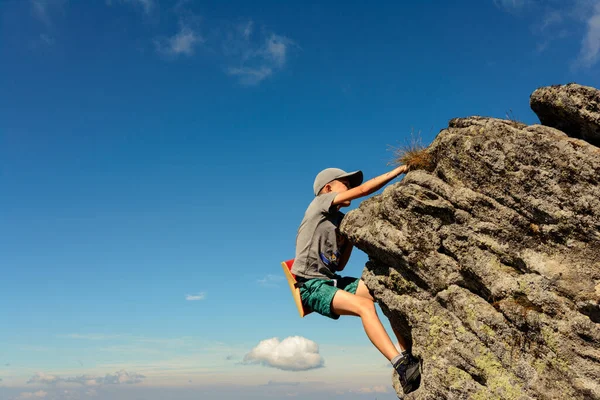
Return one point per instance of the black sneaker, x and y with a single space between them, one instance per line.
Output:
409 372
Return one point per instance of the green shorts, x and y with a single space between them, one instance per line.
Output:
317 294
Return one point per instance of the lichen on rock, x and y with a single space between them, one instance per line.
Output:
490 263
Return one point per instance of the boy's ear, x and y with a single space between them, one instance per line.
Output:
327 188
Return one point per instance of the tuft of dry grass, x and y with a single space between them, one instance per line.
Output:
414 155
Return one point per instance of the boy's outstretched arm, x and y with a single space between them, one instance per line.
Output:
368 187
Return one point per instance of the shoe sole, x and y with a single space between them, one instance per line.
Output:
413 374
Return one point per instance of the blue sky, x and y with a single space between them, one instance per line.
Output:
156 158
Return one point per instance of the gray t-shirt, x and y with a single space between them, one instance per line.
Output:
319 244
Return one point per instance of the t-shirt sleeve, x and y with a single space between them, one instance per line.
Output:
324 202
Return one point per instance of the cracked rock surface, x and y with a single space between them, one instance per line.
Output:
490 263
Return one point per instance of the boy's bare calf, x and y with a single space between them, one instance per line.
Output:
362 305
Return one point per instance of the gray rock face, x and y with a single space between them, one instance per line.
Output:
572 108
491 263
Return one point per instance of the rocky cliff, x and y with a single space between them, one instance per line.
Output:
490 261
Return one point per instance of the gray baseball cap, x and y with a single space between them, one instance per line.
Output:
330 174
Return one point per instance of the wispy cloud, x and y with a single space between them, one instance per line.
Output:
258 61
196 297
590 45
184 42
118 378
46 10
548 20
145 5
40 394
549 29
247 29
92 336
373 389
270 280
47 39
511 5
562 19
294 353
281 383
39 8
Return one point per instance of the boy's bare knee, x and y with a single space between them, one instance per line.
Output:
365 306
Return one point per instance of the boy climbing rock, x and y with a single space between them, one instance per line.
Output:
322 252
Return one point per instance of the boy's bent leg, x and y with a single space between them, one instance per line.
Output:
345 303
364 292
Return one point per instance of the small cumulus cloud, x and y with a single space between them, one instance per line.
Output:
293 353
195 297
123 377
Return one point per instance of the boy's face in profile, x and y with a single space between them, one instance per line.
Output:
340 186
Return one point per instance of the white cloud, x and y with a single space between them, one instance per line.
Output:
374 389
270 280
44 10
511 5
47 39
590 45
119 377
558 21
281 383
40 10
40 394
45 379
92 336
123 377
294 353
254 57
275 49
247 29
146 5
250 76
196 297
183 42
552 17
